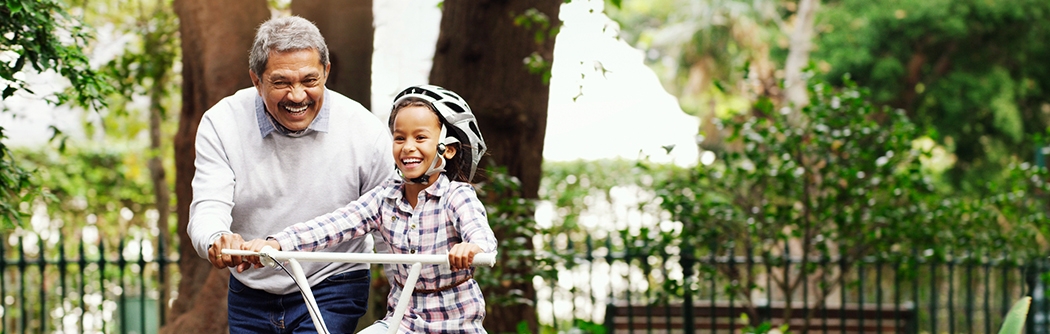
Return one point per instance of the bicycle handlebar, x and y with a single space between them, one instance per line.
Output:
480 259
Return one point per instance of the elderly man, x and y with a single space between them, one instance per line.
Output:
282 152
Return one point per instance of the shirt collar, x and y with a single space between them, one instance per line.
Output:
268 124
434 190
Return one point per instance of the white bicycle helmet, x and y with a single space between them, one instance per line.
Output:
458 124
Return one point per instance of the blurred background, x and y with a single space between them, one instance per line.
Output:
660 166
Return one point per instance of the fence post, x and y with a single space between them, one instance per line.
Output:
688 260
22 284
3 287
1031 279
41 267
162 270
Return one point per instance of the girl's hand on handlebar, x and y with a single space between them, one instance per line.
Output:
461 256
255 246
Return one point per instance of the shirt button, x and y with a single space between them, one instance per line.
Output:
412 251
413 226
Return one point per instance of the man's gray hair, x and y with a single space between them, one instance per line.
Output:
283 34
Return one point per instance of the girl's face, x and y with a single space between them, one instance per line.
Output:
416 131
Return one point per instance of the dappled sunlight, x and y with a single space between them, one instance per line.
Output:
939 159
605 102
582 291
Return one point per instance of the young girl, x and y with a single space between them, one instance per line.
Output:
432 209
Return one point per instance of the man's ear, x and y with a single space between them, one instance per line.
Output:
450 151
255 80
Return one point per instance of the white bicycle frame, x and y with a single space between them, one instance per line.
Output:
270 257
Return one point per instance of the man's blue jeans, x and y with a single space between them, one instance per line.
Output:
342 298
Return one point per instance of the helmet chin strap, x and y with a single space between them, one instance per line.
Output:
434 167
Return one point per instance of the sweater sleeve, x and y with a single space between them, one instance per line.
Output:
381 167
213 186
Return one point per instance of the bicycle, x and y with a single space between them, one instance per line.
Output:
272 258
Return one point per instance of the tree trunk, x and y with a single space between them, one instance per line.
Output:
479 54
216 36
798 54
348 30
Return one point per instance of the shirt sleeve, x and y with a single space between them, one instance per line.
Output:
213 186
353 220
470 218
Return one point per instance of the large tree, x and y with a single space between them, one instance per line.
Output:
216 36
496 54
348 30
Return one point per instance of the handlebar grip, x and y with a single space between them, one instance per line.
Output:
485 259
263 259
239 252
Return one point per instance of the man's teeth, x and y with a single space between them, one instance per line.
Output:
299 109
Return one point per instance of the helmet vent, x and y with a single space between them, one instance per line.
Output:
474 127
454 107
453 96
432 94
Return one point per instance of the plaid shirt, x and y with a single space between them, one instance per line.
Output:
446 214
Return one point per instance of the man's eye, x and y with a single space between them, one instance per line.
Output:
280 84
310 82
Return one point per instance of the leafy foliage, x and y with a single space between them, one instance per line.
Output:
971 73
849 183
851 168
13 181
510 214
540 25
704 51
35 34
42 35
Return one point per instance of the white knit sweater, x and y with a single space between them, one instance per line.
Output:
256 186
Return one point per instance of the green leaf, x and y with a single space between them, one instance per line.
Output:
718 84
15 6
1015 319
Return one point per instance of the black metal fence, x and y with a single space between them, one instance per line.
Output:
91 287
125 287
621 288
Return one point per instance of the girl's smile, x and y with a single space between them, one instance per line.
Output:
416 133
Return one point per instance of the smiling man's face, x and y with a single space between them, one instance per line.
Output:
292 87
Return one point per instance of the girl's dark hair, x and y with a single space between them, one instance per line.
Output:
457 168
